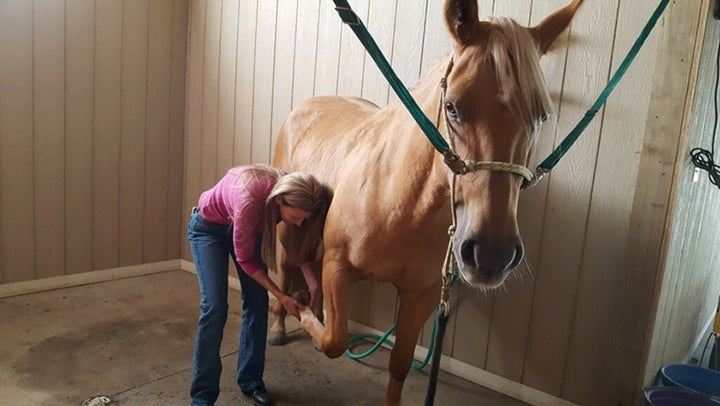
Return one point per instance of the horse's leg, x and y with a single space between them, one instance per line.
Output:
413 312
317 305
333 337
277 334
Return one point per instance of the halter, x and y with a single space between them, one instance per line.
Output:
461 166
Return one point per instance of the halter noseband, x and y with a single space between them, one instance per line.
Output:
461 166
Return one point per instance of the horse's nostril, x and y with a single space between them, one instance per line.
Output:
519 253
467 253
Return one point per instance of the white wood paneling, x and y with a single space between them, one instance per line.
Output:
17 203
86 178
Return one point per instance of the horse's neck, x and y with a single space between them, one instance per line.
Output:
415 159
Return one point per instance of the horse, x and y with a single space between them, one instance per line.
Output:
389 217
292 282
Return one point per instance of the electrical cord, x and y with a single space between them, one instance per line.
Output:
701 157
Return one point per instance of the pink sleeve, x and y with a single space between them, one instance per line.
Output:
247 225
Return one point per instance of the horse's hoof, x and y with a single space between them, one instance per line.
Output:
277 339
302 296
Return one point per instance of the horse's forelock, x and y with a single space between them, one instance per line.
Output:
517 63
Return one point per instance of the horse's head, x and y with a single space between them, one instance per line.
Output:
495 102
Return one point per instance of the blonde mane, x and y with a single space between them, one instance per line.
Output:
517 63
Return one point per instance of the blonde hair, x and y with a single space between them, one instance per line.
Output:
301 191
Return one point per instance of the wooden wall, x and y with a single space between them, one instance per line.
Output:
578 325
688 294
92 99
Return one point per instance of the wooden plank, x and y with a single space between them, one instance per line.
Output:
568 198
360 306
382 305
133 117
486 8
282 89
532 205
48 93
352 56
436 40
263 77
670 92
686 236
176 146
157 158
86 278
475 306
605 275
210 92
328 51
226 91
106 146
79 73
381 25
16 141
518 10
196 46
305 50
245 84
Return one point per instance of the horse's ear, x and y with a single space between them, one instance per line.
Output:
461 17
551 27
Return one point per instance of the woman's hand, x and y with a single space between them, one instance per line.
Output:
292 306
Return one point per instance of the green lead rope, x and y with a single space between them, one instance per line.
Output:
349 17
565 145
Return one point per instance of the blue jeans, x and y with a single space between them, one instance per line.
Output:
211 246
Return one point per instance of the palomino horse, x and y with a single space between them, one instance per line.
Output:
390 213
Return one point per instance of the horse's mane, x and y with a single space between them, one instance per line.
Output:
517 63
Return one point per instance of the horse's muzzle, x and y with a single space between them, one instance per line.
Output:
487 264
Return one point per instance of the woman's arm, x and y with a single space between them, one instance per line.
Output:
292 306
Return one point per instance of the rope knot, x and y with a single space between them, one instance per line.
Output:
456 165
451 230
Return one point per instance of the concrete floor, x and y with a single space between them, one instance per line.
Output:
132 340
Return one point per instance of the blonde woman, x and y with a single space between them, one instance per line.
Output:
237 218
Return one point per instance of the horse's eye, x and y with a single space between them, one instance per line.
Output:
451 110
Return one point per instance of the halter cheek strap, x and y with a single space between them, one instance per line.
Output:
461 166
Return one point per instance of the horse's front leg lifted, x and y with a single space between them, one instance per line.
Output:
333 337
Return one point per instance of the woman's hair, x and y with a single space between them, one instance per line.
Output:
300 191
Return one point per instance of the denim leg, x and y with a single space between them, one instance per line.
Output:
253 332
210 247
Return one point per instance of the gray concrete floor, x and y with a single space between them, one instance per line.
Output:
132 340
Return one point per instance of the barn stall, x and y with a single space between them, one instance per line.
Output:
119 110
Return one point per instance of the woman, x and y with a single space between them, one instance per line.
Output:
237 218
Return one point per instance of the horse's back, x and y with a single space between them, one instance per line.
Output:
319 129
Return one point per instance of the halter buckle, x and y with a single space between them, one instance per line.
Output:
540 172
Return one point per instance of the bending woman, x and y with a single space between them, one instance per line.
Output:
237 218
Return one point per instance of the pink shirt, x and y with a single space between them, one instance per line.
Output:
239 201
